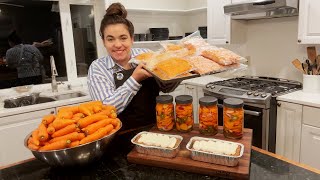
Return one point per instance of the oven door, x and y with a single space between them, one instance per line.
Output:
253 119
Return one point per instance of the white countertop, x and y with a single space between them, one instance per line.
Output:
46 91
300 97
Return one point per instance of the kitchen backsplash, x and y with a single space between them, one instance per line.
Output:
271 45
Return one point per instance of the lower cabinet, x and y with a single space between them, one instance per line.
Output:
298 133
289 120
310 146
13 130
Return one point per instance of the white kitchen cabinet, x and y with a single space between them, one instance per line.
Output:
219 24
180 17
289 122
13 130
310 146
309 27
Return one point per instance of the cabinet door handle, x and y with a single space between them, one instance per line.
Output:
278 104
191 88
299 41
52 112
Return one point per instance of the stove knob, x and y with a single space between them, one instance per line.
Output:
212 87
256 94
208 85
263 95
249 92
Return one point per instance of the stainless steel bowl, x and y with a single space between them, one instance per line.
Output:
77 156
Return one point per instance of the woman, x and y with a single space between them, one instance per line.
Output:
113 80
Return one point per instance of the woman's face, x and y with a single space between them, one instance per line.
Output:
118 42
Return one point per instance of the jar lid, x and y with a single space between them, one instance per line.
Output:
233 103
208 101
164 99
184 99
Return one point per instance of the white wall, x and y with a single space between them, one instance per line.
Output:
272 45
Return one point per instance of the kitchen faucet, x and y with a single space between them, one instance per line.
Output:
54 73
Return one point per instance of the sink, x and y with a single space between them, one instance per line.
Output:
35 98
26 100
68 95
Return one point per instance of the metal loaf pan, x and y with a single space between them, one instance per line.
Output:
154 150
222 159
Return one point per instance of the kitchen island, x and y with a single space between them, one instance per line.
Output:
114 165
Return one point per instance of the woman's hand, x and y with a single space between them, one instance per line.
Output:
140 74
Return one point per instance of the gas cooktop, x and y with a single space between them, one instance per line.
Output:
252 87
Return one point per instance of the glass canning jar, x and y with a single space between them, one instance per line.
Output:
165 112
233 118
184 113
208 115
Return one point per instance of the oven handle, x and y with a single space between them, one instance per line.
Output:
249 112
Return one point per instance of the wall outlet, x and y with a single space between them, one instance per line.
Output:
248 58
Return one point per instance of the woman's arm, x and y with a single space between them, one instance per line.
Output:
101 87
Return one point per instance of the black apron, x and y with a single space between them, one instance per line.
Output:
141 110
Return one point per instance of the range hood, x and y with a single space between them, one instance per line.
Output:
259 9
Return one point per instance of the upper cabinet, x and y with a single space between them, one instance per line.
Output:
181 17
219 24
309 27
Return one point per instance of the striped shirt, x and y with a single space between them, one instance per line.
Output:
102 86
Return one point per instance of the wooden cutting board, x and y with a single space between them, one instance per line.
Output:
184 162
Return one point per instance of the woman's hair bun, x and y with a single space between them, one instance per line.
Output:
116 9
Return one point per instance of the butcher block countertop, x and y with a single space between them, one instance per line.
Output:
114 165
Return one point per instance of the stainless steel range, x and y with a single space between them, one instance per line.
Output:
259 96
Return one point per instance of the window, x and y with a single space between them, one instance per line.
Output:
84 36
37 24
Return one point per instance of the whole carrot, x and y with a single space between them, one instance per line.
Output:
61 123
72 137
84 122
97 109
56 145
50 129
85 110
47 119
64 115
43 134
33 146
81 136
35 137
97 135
74 144
95 126
78 116
66 130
